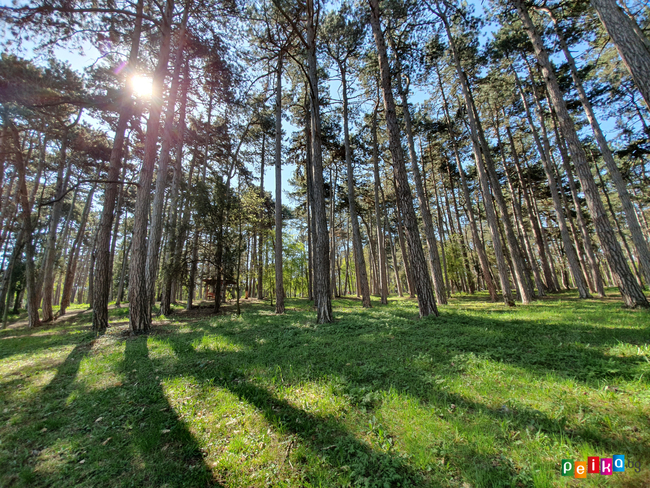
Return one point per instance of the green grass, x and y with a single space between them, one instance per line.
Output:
483 396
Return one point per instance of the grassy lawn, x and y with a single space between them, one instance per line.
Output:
483 396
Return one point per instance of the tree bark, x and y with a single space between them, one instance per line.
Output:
357 246
378 211
426 300
30 270
630 289
73 256
614 173
597 279
279 280
545 154
260 245
483 177
632 45
102 270
157 210
322 294
50 257
478 243
432 244
140 304
171 262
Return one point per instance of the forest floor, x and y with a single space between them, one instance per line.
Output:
482 396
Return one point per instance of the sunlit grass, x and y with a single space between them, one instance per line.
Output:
483 396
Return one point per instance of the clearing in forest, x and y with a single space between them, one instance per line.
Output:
483 396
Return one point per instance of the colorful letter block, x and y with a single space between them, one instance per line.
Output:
606 466
593 464
580 469
567 467
619 463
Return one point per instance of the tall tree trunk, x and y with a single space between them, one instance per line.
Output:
441 229
478 243
614 173
167 142
468 273
630 289
125 255
521 278
73 255
378 211
6 277
434 256
616 221
30 270
171 262
424 289
545 154
357 246
260 245
50 248
549 275
102 271
632 45
279 280
322 294
402 244
519 219
586 237
333 245
482 175
139 301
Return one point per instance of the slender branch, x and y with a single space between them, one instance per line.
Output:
80 182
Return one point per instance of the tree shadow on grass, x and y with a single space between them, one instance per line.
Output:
126 434
365 356
26 341
370 356
351 461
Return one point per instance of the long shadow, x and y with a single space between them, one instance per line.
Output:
37 418
324 435
366 378
125 434
365 356
369 357
27 341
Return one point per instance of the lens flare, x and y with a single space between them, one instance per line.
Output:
141 86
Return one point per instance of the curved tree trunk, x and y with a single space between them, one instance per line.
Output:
30 270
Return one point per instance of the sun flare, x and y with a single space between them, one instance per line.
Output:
141 86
